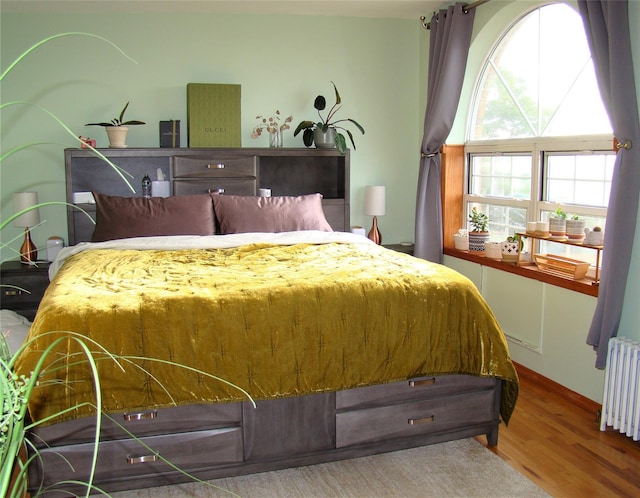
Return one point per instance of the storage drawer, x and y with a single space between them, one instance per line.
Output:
128 457
418 388
216 167
143 423
410 419
24 289
229 186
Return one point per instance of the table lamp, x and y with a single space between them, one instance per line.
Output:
374 205
27 220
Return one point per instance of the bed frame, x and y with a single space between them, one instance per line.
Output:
220 440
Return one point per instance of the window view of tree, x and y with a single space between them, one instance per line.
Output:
537 80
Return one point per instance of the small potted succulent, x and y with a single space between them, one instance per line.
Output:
575 228
324 133
511 248
117 129
479 233
558 223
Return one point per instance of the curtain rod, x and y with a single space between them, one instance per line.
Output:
465 8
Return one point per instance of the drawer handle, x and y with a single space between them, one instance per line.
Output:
130 417
215 191
424 382
142 459
215 166
12 292
425 420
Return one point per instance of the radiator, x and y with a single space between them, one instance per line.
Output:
621 398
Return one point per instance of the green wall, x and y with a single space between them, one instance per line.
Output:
281 62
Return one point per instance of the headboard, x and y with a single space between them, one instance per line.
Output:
236 171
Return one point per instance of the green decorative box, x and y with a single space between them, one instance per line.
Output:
213 115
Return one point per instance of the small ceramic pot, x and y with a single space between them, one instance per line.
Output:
477 241
510 251
558 227
461 242
493 250
575 230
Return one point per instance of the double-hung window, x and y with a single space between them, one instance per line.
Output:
539 138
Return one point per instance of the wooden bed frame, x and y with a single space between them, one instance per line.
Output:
220 440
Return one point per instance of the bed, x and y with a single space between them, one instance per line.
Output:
346 348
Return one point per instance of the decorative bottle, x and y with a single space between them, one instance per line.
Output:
146 187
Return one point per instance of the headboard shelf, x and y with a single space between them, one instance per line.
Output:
286 171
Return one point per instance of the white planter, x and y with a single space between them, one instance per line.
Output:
510 251
575 230
557 227
117 136
477 241
493 250
461 242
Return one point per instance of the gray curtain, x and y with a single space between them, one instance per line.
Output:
448 50
607 27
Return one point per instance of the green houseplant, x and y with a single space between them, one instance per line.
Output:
325 132
118 128
479 233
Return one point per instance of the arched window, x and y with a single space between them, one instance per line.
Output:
539 138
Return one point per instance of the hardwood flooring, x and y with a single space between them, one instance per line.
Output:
554 439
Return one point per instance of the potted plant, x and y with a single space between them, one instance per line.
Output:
117 129
479 233
511 248
325 132
575 228
558 223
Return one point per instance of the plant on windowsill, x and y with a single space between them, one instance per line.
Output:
325 132
575 228
511 248
117 129
479 233
558 224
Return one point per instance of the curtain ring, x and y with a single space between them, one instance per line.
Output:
624 145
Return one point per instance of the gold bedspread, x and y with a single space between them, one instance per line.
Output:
275 320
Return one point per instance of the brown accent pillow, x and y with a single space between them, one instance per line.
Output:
242 214
124 217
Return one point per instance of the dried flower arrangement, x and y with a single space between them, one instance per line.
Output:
272 124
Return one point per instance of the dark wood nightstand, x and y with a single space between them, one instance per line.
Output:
23 286
407 249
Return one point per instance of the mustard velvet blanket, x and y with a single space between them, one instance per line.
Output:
274 319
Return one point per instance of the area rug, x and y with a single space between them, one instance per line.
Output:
462 468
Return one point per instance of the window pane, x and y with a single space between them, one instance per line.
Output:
503 220
505 176
582 179
538 79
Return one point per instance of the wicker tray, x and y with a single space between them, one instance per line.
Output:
562 266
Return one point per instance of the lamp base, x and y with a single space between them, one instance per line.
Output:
374 233
28 250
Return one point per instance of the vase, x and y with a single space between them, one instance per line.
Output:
275 138
117 136
575 229
510 251
324 139
477 240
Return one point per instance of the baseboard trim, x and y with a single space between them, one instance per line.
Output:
577 399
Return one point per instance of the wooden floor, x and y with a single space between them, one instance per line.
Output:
554 439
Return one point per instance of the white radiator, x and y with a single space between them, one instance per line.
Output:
621 399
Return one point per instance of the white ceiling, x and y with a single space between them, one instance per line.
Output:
400 9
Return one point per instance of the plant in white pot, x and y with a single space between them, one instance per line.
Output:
479 233
575 228
325 132
117 129
558 223
511 248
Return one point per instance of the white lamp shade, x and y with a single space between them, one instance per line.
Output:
374 200
25 200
